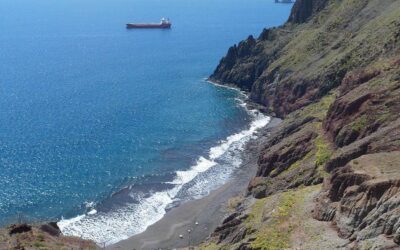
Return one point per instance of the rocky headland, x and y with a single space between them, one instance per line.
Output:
329 175
40 236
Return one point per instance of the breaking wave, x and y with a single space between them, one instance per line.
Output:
208 173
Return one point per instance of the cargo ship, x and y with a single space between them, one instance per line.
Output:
164 24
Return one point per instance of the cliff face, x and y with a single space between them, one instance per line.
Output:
333 73
291 66
304 9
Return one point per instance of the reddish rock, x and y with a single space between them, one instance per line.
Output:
363 198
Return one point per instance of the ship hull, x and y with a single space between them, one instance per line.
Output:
148 26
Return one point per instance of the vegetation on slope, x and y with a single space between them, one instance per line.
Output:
333 72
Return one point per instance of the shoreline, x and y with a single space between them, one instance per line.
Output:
228 153
201 216
208 211
251 104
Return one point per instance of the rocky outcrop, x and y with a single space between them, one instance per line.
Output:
280 156
51 228
280 163
363 198
383 140
368 101
17 229
229 227
254 63
304 9
46 236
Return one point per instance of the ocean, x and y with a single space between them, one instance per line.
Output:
103 128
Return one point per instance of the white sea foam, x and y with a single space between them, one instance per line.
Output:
119 224
93 211
183 177
131 219
217 151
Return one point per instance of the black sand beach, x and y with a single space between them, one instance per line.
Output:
201 216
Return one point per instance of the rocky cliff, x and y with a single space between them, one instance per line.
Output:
329 175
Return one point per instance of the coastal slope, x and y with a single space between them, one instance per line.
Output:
45 236
329 175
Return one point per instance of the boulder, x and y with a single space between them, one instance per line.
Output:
20 228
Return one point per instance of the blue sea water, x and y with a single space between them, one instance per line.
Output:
98 122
